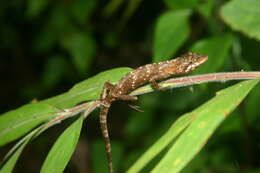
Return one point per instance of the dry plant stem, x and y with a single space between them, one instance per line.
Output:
215 77
198 79
87 108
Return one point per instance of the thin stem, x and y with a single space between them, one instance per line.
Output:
198 79
87 108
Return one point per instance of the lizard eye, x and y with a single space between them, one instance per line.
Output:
189 63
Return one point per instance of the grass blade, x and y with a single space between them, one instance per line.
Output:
63 148
208 118
168 137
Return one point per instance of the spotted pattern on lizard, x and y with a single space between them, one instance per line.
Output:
150 73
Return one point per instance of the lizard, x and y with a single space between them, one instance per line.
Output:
150 73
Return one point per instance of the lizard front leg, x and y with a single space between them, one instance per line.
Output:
155 85
107 87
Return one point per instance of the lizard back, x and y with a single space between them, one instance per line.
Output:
159 71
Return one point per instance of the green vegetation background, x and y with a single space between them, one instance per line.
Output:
48 46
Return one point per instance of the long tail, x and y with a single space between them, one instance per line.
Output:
104 129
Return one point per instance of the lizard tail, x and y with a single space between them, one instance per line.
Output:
103 124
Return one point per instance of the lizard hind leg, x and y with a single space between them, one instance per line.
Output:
126 98
135 107
129 98
155 85
107 87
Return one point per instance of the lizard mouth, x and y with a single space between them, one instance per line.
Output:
203 59
193 65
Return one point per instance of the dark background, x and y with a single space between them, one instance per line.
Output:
48 46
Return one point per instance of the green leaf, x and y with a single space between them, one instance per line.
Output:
243 16
211 47
16 123
171 31
9 165
206 8
61 152
207 118
88 89
251 107
82 48
161 143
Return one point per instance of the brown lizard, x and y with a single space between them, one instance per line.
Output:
150 73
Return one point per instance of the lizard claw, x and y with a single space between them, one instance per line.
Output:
135 107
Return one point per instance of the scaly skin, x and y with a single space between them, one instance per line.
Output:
149 73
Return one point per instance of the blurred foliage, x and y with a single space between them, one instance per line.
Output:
48 46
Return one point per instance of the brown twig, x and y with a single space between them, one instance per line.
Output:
198 79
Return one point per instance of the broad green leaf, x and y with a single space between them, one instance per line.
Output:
171 31
15 151
207 118
61 152
161 143
177 4
243 16
9 165
16 123
232 124
251 107
88 89
82 48
211 47
206 8
13 155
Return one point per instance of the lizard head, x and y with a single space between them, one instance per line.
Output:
190 61
184 64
